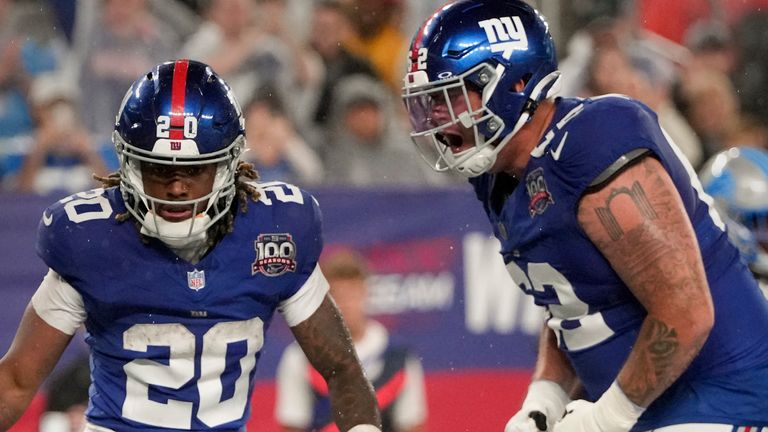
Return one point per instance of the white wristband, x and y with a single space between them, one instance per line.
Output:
365 428
614 410
548 398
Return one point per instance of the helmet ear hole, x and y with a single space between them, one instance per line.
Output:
525 79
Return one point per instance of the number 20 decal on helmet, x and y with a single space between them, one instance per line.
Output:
493 45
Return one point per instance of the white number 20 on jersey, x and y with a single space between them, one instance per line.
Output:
176 414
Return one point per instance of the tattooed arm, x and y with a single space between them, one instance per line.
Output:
325 340
638 222
640 225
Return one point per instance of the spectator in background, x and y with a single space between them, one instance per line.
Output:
749 132
712 107
274 146
15 116
649 80
305 65
63 157
610 24
610 71
176 15
233 43
379 38
329 33
124 41
302 395
367 146
654 78
751 71
582 48
29 45
711 47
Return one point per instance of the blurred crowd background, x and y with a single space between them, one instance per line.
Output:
319 80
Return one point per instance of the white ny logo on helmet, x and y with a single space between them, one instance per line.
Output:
505 35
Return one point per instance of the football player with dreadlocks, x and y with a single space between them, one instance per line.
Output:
175 280
654 322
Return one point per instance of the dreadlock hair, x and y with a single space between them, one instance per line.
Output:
244 191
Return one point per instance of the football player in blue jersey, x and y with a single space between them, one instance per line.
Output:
737 180
176 280
653 323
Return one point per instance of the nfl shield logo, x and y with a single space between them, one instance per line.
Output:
196 279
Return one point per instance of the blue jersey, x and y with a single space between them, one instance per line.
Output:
174 345
592 312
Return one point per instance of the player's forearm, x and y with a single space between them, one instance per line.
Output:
11 408
352 400
662 352
13 399
552 365
328 346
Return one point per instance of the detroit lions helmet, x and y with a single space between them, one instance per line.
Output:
737 180
485 46
179 114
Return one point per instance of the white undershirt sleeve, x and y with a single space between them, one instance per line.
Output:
59 304
294 400
411 406
307 299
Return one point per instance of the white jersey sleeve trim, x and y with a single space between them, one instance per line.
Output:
59 304
307 299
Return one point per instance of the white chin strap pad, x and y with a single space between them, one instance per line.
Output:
478 163
176 234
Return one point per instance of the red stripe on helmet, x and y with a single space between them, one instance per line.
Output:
178 93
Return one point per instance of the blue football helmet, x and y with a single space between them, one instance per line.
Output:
180 114
737 180
484 46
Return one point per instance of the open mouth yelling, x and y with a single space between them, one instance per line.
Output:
450 139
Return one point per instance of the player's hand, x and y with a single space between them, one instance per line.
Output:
543 406
579 417
613 412
527 421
